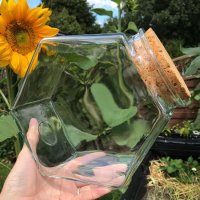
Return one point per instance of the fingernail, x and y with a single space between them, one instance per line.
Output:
33 122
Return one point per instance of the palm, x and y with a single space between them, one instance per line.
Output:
26 183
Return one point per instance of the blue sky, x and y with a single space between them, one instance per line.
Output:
106 4
33 3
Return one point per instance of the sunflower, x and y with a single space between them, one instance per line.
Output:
21 28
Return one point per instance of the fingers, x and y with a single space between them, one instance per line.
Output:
91 192
110 170
83 160
111 175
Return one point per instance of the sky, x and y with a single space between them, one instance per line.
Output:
33 3
106 4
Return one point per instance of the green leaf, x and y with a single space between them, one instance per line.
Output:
191 51
5 170
132 26
194 66
171 169
130 135
178 163
117 2
196 95
8 127
84 62
101 11
111 113
77 136
196 124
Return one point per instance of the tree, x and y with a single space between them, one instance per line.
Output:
76 16
171 19
65 22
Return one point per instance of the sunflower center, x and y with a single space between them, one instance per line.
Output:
21 37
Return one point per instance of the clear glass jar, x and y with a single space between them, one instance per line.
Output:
98 115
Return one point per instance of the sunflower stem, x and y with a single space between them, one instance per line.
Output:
11 95
5 99
10 86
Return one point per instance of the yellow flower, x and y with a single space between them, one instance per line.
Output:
21 28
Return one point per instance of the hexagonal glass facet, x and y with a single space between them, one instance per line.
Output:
97 118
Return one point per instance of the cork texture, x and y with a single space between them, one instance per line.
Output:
158 80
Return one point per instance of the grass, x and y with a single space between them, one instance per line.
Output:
165 187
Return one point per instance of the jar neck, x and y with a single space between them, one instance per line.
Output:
149 66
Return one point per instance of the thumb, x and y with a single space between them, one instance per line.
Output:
25 159
32 135
25 166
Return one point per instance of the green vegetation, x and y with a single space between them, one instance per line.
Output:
174 179
72 17
171 19
184 129
185 171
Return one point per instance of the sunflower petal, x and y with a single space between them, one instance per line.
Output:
23 66
3 63
4 7
22 9
46 31
15 61
2 25
35 13
42 20
4 52
11 4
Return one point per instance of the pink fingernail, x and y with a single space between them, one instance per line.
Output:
33 122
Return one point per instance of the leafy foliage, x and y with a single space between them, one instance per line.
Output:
7 158
84 62
184 129
173 46
181 16
132 26
76 136
72 17
185 171
101 11
8 128
195 51
195 64
112 114
131 134
67 23
4 169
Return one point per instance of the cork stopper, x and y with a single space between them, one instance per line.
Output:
157 69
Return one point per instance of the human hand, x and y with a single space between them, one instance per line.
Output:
26 183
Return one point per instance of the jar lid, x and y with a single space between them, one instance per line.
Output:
157 69
167 65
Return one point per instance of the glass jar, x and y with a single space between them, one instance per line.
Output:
100 100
